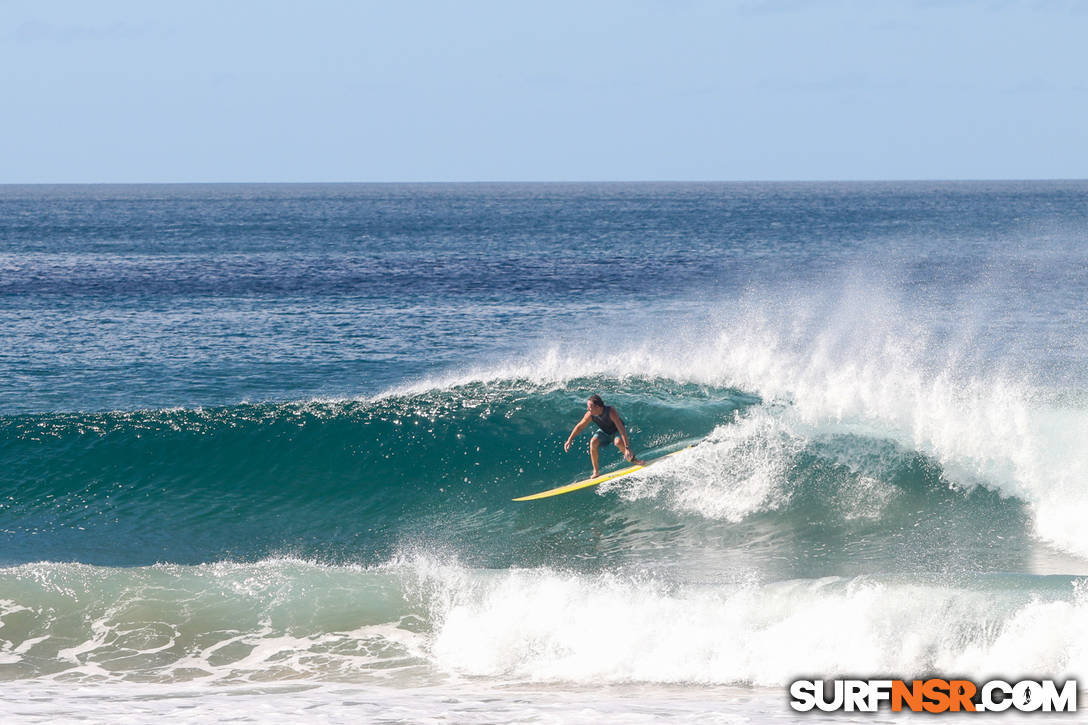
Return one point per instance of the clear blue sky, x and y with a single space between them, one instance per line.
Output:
404 90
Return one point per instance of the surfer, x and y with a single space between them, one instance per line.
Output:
610 424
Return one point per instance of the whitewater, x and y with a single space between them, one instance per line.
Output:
258 446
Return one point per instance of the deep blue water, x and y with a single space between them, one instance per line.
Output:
117 297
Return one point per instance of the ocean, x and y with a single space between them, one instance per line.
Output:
258 445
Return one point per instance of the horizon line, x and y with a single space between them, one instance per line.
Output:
548 182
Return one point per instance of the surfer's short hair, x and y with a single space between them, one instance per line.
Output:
596 400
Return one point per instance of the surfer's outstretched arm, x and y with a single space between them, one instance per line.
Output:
577 429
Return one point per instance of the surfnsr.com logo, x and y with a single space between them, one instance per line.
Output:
933 695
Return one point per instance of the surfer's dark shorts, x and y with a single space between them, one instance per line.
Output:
604 438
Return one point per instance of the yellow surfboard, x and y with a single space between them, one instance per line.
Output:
578 485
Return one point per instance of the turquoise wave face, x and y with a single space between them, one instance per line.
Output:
337 480
358 481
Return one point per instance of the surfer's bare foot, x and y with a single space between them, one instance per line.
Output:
595 474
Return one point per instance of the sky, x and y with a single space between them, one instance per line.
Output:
414 90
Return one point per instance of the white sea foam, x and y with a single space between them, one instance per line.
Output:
178 627
738 470
548 626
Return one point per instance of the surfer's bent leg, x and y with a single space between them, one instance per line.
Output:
594 444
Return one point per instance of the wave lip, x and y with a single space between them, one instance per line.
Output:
353 481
